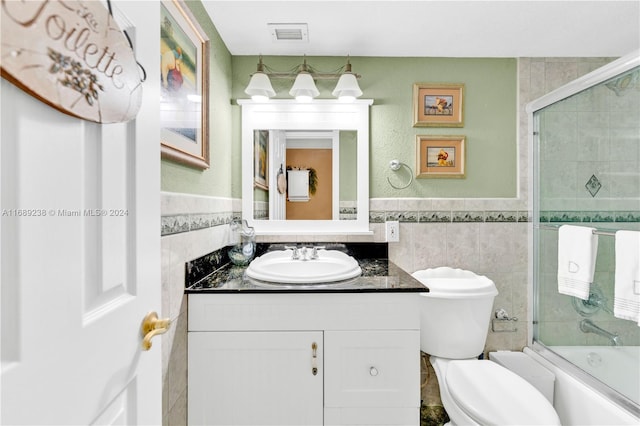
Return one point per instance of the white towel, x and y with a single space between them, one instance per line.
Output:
298 185
626 297
577 249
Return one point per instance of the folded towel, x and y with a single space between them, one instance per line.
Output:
626 298
577 249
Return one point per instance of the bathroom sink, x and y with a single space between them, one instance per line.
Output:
280 267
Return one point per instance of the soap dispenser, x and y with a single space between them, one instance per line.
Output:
243 242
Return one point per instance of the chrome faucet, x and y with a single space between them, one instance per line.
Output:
587 326
314 253
295 254
302 253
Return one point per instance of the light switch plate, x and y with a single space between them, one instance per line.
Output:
393 231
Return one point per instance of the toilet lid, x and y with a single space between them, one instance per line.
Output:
493 395
457 288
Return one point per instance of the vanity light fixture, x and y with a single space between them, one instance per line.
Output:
259 87
347 89
304 88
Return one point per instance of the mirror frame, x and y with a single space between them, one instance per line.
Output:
323 114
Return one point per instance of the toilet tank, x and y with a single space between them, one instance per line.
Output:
455 314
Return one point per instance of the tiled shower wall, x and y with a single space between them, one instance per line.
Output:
589 175
589 153
558 318
488 236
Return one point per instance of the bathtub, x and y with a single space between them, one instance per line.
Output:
617 367
584 399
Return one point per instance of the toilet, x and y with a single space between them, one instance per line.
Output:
454 321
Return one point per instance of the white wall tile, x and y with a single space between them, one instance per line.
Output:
176 250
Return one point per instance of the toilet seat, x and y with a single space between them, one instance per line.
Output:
492 395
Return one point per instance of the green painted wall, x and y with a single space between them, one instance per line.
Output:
490 118
348 171
220 178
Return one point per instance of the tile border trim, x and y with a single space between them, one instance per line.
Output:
191 213
450 216
177 224
623 216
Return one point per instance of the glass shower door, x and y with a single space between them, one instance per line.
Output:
587 173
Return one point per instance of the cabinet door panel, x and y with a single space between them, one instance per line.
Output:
372 368
255 378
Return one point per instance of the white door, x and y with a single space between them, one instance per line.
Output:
80 255
278 162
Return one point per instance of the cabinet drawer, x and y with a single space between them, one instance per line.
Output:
372 416
372 368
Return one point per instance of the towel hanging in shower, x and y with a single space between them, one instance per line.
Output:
577 249
626 300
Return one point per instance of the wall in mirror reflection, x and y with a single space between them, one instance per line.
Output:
330 157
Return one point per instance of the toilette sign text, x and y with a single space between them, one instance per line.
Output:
71 55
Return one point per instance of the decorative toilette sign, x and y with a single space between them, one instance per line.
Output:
71 55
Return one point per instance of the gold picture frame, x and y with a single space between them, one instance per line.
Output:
261 159
184 92
438 105
440 156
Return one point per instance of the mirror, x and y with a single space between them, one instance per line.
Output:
305 167
312 174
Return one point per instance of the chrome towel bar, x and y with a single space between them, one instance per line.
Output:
595 231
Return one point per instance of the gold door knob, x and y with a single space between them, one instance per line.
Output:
152 326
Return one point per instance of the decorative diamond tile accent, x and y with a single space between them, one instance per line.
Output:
593 185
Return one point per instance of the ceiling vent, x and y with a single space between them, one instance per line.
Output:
289 32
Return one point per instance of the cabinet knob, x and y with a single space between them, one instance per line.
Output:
373 371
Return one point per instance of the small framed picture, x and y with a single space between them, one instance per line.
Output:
440 156
438 105
261 159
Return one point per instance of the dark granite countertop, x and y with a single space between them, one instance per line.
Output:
215 274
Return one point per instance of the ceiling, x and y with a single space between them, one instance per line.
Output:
430 28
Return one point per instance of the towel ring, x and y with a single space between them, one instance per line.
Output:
395 166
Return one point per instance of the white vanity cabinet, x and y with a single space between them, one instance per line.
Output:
252 359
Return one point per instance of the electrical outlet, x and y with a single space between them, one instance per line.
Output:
393 231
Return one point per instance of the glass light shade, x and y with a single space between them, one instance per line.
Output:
347 88
304 89
260 88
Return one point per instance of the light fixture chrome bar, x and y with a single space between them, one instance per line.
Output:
316 76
